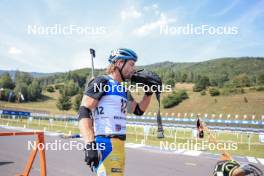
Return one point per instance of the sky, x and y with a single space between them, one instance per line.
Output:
56 35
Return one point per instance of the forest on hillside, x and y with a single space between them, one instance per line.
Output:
230 75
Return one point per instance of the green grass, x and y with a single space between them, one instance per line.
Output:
256 148
233 104
47 105
136 135
57 126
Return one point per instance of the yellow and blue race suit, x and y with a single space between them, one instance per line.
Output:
109 118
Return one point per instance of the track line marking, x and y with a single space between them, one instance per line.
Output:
252 159
192 153
129 145
261 160
179 151
190 164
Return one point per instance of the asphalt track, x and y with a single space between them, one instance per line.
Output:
14 153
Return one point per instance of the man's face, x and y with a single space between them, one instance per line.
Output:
129 68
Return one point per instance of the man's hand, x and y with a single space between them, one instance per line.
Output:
91 155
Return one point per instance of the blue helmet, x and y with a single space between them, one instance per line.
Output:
122 54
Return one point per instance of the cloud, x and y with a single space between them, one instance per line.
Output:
248 18
130 13
14 50
149 27
227 9
153 7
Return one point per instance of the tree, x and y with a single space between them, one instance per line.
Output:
190 77
22 89
50 89
222 79
201 84
71 88
68 76
184 77
59 86
197 78
260 88
174 99
64 102
214 91
78 79
6 82
253 80
260 79
34 90
241 80
23 77
214 82
203 92
77 102
170 82
168 77
4 94
178 77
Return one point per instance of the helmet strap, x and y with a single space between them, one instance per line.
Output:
121 70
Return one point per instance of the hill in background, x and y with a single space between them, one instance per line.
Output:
211 68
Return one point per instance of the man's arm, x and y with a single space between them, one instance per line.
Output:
144 103
90 100
138 108
86 129
86 123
